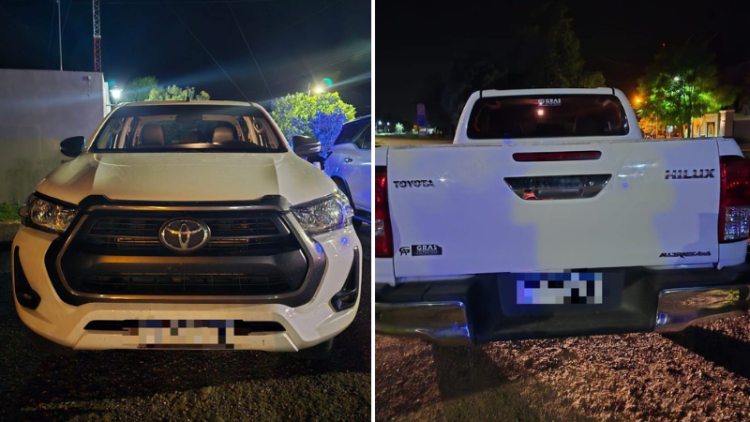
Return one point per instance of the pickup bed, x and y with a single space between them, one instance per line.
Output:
551 215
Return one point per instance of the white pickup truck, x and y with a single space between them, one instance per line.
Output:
187 225
550 216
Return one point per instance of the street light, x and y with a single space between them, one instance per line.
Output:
638 100
319 90
676 78
116 93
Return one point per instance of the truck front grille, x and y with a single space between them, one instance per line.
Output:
229 235
120 253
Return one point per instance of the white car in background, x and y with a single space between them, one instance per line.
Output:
349 166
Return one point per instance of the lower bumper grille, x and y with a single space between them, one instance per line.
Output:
241 328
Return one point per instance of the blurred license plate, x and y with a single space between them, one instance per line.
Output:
559 289
180 334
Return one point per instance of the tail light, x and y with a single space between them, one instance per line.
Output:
734 208
383 234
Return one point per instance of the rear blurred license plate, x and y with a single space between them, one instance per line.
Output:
181 334
559 288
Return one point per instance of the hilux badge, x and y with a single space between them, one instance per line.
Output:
685 174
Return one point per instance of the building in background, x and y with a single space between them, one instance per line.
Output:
724 123
38 109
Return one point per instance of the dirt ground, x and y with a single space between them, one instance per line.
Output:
702 374
184 385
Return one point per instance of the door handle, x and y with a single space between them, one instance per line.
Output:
347 160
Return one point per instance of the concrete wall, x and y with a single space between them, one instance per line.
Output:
742 129
38 109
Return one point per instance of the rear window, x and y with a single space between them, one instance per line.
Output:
547 117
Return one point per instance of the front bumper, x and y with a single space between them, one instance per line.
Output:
304 325
475 310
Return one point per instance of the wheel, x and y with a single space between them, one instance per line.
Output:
320 351
342 187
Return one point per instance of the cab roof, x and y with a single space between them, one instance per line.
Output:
187 103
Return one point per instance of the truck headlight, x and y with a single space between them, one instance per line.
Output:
325 214
47 215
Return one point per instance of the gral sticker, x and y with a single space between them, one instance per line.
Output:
545 102
425 250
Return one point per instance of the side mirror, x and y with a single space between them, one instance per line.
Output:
72 147
305 146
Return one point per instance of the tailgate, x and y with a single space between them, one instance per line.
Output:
453 210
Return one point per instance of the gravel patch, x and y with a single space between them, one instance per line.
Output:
702 374
184 385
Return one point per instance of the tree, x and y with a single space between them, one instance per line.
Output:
175 93
138 89
650 127
548 53
683 84
297 114
544 53
327 126
478 71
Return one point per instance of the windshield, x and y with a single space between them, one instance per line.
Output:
547 117
185 127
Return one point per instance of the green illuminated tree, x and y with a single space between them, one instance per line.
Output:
175 93
683 84
295 114
139 89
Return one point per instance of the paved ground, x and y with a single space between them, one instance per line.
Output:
184 385
702 374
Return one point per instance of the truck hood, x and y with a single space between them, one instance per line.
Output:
165 177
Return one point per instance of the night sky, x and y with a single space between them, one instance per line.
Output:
296 43
416 40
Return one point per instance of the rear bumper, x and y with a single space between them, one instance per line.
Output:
476 310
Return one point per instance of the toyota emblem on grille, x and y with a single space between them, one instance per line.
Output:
184 234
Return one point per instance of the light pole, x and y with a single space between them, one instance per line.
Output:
59 33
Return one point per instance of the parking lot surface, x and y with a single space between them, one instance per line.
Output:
142 385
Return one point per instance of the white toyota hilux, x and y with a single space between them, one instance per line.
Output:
187 225
551 216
